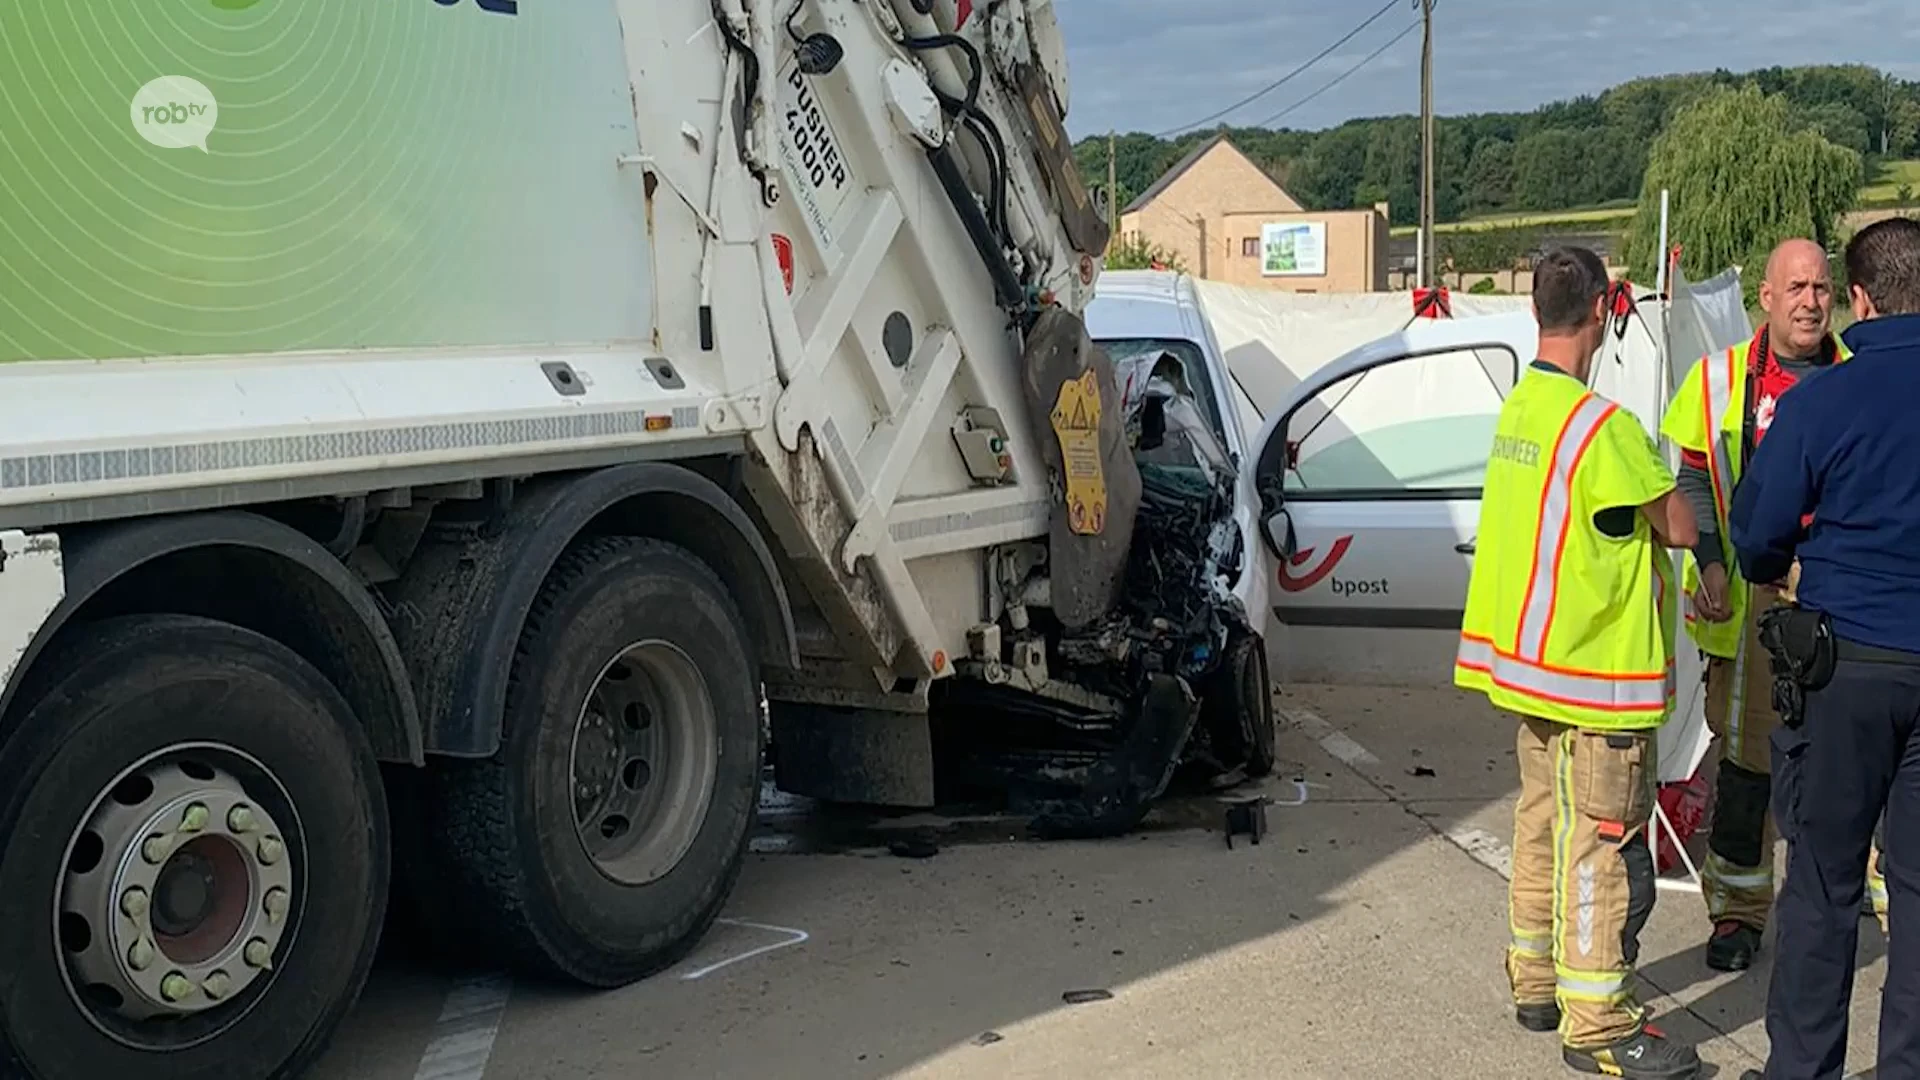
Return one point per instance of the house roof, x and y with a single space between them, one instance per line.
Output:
1179 168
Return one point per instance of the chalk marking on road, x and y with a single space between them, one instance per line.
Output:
794 937
1332 739
1300 794
1484 848
469 1023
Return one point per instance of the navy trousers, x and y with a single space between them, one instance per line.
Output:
1856 757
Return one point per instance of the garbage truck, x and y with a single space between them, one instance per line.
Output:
450 449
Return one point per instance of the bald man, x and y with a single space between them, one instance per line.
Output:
1721 413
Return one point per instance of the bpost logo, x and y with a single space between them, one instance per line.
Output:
174 112
1300 582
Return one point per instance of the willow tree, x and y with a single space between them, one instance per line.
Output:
1744 172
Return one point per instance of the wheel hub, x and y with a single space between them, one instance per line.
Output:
645 756
184 894
177 893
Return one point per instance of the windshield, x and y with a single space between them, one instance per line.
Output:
1193 368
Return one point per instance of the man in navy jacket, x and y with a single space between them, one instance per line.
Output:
1836 484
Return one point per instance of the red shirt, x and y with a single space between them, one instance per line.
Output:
1771 380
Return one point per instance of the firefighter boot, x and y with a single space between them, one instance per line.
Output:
1646 1055
1732 946
1541 1017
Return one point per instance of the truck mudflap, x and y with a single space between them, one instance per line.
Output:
1096 485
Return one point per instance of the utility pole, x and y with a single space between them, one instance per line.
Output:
1427 255
1113 195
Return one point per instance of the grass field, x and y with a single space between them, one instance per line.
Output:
1605 217
1882 192
1883 188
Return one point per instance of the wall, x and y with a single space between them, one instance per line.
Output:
1356 252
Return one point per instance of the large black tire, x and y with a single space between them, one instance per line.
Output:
116 692
518 880
1236 709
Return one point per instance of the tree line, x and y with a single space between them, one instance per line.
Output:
1590 151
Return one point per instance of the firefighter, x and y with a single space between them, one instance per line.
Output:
1734 395
1564 627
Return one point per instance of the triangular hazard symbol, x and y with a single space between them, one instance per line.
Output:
1080 421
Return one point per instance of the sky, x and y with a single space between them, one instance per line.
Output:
1154 65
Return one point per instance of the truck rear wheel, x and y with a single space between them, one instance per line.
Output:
603 838
194 845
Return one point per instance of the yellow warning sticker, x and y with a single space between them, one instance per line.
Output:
1076 424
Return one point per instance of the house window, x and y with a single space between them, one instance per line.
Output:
1250 247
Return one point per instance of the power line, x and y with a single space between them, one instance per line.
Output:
1284 79
1342 77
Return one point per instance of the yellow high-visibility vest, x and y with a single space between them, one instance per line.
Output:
1563 621
1712 398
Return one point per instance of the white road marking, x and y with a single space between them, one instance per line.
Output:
1332 739
794 937
469 1022
1480 845
1484 848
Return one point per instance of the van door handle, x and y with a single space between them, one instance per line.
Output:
1466 548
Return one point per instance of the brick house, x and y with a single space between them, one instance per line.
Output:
1227 220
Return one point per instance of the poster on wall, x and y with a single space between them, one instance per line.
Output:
1294 249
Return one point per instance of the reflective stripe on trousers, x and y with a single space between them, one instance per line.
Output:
1540 945
1737 877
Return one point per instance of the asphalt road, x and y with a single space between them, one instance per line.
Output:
1363 937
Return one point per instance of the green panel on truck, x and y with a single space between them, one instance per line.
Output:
377 174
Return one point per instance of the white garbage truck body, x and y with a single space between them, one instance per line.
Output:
442 440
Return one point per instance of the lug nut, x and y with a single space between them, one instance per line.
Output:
217 985
134 902
194 819
270 850
140 955
276 904
175 987
258 954
156 849
240 819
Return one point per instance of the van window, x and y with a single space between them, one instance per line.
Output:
1413 427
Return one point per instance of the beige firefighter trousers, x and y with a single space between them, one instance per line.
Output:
1738 884
1736 878
1583 876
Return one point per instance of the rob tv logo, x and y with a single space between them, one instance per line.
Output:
174 112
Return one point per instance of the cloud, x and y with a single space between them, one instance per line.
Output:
1149 65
